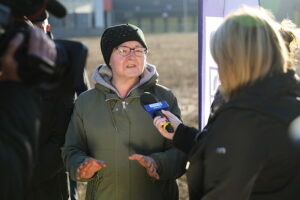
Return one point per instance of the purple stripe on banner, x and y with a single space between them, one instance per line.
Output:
210 8
210 16
200 59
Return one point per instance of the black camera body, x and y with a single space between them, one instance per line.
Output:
34 71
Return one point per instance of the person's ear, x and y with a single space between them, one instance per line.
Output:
48 27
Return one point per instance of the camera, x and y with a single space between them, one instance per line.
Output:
34 71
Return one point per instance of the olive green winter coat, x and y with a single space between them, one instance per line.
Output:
110 129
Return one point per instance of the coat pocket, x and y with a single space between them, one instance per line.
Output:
94 186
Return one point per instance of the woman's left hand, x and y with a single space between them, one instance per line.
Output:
146 162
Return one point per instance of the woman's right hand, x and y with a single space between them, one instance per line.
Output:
89 167
160 121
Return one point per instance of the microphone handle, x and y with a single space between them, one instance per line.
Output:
168 125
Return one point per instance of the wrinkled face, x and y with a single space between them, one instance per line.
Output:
127 66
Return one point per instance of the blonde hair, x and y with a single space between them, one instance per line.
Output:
246 47
290 34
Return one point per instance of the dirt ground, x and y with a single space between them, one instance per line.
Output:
175 56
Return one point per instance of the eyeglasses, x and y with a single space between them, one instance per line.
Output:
125 51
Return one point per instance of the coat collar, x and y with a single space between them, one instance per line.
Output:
271 87
103 75
275 96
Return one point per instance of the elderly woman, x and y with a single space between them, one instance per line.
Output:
244 151
111 141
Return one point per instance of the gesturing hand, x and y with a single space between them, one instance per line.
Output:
88 168
146 162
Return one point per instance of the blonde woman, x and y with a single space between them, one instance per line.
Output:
244 151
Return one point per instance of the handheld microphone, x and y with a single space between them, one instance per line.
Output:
153 107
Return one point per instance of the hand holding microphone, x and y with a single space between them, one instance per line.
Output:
163 123
159 121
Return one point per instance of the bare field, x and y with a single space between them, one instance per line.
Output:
175 56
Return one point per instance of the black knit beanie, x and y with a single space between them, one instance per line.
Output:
116 35
40 18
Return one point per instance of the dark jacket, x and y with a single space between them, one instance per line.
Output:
49 177
245 152
19 119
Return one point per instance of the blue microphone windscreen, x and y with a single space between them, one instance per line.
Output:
151 108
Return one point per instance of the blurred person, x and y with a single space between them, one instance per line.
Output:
111 142
19 116
50 178
41 21
291 35
244 151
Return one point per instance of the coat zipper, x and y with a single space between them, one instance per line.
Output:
124 105
111 116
